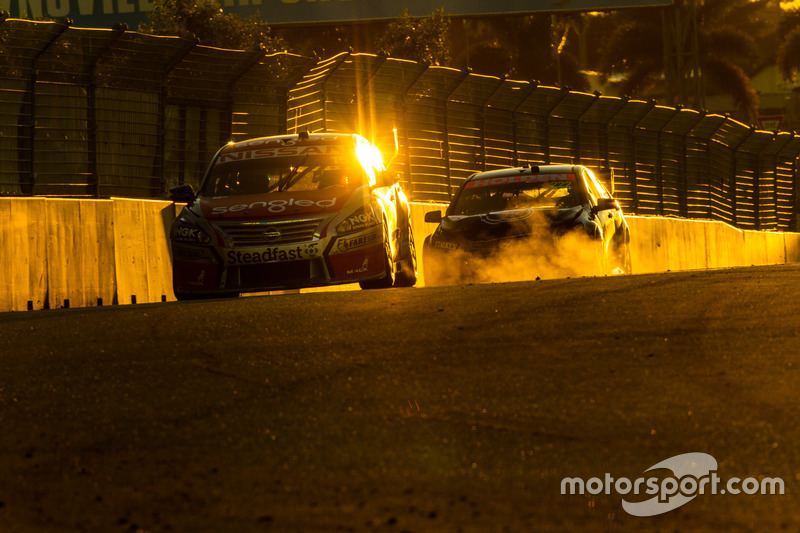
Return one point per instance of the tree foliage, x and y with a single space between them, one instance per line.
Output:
205 21
532 47
728 52
417 39
788 58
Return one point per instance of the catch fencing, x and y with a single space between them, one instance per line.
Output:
98 113
661 160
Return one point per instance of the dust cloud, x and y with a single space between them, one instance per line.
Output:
523 259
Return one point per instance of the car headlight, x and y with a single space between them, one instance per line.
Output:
186 231
362 218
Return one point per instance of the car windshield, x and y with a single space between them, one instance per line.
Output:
278 174
545 191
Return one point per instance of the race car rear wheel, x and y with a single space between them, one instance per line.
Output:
388 265
621 255
431 264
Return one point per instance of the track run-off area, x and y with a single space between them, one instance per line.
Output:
458 408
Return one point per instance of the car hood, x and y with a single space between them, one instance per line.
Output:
275 205
511 223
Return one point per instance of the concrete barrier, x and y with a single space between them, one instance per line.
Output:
75 253
422 229
80 253
142 256
23 254
57 252
659 244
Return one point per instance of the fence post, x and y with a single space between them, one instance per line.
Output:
28 183
734 180
162 112
564 93
446 144
635 171
514 131
660 164
94 174
578 129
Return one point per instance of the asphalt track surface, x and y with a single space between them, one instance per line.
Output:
426 409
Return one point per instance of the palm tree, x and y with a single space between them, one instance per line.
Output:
691 47
789 51
540 47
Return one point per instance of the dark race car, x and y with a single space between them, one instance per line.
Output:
292 211
524 223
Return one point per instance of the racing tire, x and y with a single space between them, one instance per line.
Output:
431 274
622 257
388 265
407 268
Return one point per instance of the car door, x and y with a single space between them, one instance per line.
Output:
604 206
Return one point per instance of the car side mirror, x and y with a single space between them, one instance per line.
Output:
182 194
434 217
384 178
604 204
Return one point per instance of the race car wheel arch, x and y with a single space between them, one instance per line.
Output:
430 259
406 265
388 264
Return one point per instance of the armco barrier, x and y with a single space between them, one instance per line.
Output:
72 253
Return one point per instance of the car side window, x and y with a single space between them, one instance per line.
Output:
591 187
595 186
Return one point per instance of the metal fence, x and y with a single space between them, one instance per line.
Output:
93 113
450 123
96 113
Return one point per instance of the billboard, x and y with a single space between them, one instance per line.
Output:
105 13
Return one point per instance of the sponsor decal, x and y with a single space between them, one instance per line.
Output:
280 151
362 220
199 281
354 243
528 178
186 234
189 253
364 267
274 206
445 245
272 254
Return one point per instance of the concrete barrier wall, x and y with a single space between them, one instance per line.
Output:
659 244
75 253
58 252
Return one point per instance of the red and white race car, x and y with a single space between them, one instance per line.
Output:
292 211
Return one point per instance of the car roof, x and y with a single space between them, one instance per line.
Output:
297 139
524 171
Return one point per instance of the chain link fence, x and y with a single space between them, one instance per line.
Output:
98 113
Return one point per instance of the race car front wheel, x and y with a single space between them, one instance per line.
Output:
407 266
388 266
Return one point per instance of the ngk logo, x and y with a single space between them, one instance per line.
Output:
187 233
362 219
